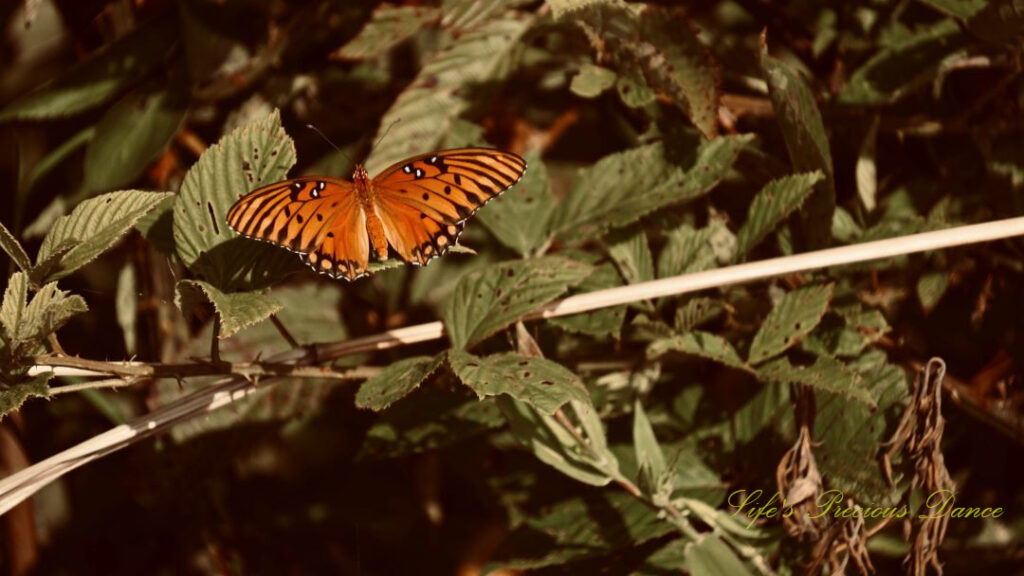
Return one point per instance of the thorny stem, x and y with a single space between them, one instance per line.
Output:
215 341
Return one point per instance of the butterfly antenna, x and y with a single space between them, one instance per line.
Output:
328 140
390 126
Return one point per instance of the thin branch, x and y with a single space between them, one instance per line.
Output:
143 370
284 331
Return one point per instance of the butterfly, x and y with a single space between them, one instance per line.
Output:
417 207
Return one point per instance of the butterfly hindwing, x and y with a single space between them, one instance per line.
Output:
424 201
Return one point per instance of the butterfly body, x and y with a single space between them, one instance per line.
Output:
416 208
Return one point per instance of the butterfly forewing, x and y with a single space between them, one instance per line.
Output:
423 201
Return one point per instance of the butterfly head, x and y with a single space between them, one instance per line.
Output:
360 174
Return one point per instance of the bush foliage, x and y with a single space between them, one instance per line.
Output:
661 141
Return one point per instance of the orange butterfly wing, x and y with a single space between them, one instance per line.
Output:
319 217
423 202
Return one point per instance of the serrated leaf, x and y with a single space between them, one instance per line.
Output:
427 420
598 201
428 107
687 250
12 309
95 225
130 135
826 374
649 458
461 16
42 270
396 381
603 322
157 226
543 384
389 26
696 312
592 80
561 8
771 206
519 217
848 434
13 249
488 300
12 396
710 556
791 319
237 310
846 332
629 250
702 344
804 133
49 309
249 157
99 78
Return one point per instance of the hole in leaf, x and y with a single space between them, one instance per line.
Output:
526 374
213 218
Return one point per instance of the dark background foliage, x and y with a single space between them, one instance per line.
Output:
661 140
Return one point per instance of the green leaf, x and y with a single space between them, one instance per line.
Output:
12 396
804 133
541 383
791 319
249 157
26 323
849 435
49 309
710 556
772 205
519 218
603 322
488 300
130 135
52 160
657 49
396 381
629 250
13 249
389 26
896 70
649 458
51 264
688 250
12 310
702 344
931 287
553 445
461 16
826 374
591 525
94 226
598 201
591 81
237 310
436 98
846 331
427 420
99 78
961 9
561 8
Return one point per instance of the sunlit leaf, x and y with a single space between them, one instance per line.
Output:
543 384
490 299
13 395
94 226
13 249
826 374
702 344
247 158
592 80
519 217
772 205
389 25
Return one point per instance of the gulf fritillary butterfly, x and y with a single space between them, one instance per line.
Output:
418 207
